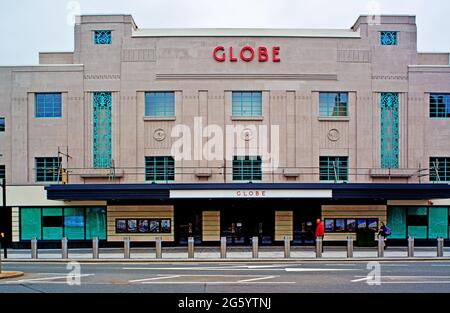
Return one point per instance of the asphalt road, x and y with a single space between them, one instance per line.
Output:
193 277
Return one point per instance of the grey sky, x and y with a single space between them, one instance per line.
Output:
30 26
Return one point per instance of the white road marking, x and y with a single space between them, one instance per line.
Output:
361 279
31 280
221 282
255 279
318 269
153 278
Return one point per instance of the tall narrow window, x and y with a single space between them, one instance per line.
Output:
247 168
47 105
333 168
159 168
440 105
2 172
440 169
103 37
389 38
2 124
389 130
159 104
102 142
333 104
48 169
247 103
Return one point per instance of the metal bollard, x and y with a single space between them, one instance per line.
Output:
287 247
34 248
255 247
319 247
191 247
64 248
95 248
349 247
126 247
380 246
440 247
158 245
223 247
410 247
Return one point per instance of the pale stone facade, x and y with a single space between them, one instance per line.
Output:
312 61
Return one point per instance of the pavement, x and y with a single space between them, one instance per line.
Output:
345 276
233 254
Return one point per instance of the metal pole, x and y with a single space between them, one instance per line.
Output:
255 247
158 245
64 248
126 247
349 247
380 246
410 247
191 247
287 247
95 248
34 248
319 247
440 247
223 247
0 258
5 246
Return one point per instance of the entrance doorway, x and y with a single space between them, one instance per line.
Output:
5 227
305 225
239 226
189 224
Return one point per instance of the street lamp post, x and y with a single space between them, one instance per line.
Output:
5 250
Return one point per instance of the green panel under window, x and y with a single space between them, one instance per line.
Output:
438 223
397 222
418 232
96 223
30 223
417 211
52 223
74 223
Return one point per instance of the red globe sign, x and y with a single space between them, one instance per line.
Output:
246 54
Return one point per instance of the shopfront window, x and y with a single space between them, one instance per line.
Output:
52 223
30 223
74 223
96 223
438 223
397 222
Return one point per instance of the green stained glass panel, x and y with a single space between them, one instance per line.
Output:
397 222
389 117
438 223
102 129
96 223
74 223
418 232
30 223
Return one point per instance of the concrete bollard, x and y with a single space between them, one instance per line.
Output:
319 243
64 248
380 246
34 248
223 247
255 247
349 247
287 247
158 245
440 247
126 247
95 248
410 247
191 251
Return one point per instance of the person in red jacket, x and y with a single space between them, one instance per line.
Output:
320 230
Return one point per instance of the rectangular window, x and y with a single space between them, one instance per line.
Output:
47 105
30 223
438 222
389 38
333 104
247 103
247 168
333 168
103 37
2 124
159 168
102 129
396 220
389 120
96 223
440 105
159 104
74 223
2 172
52 223
48 169
440 169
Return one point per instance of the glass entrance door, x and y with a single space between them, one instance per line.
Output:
189 225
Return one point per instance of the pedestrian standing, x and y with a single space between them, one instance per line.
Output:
320 230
